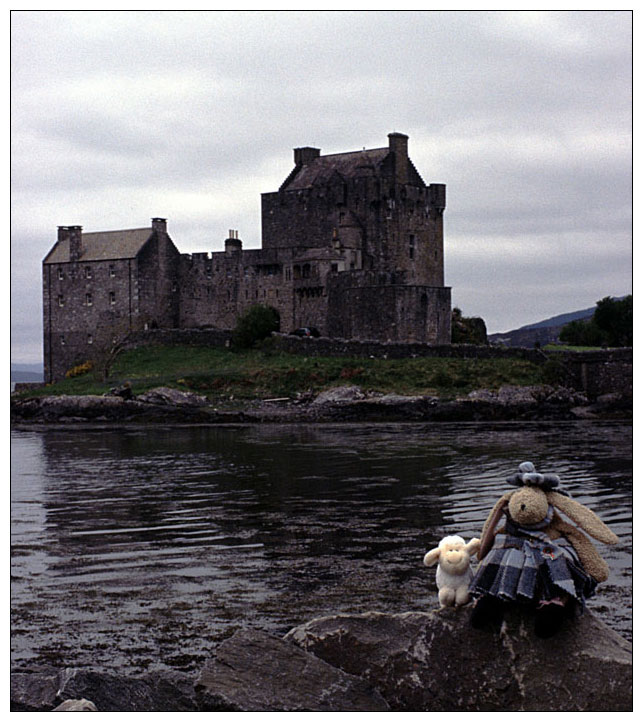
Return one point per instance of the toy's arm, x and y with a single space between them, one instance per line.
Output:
591 560
472 546
487 537
431 558
584 517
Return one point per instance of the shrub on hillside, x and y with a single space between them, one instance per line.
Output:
256 324
79 370
467 329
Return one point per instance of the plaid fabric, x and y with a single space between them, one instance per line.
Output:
531 567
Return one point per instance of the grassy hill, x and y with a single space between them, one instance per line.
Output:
224 376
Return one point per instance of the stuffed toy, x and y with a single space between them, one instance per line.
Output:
454 572
538 558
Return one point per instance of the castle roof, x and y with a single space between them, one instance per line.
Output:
354 164
347 165
103 245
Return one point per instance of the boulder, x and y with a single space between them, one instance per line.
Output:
44 690
76 705
257 672
339 395
175 397
435 661
34 691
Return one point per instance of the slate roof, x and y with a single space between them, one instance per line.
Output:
348 165
103 246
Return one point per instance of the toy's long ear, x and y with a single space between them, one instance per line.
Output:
486 541
430 558
584 517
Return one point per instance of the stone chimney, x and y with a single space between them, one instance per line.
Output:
398 144
306 155
75 235
232 243
159 224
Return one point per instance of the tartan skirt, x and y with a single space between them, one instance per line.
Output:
531 568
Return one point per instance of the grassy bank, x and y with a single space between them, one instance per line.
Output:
221 374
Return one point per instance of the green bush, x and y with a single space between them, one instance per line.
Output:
256 324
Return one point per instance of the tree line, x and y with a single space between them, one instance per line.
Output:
611 325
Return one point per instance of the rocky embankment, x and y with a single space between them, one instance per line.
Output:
369 662
346 403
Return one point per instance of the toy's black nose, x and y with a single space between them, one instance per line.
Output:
523 507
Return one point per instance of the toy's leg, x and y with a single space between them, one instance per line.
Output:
461 596
487 611
446 597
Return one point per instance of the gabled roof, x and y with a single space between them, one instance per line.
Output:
348 165
103 246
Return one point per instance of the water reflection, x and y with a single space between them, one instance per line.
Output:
139 547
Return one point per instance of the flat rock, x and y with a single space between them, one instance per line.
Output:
257 672
435 661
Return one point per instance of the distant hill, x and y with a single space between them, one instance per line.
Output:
27 373
561 320
542 332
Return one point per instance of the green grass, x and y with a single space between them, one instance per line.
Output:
563 347
221 374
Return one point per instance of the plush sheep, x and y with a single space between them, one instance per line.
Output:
454 573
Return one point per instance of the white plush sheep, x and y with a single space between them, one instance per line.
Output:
454 573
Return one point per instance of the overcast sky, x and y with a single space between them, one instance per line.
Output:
526 116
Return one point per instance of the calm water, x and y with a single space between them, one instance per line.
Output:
144 547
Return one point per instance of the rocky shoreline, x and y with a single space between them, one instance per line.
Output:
414 661
342 404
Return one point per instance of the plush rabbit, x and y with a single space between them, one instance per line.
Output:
454 573
538 557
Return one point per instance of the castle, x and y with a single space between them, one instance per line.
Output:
352 244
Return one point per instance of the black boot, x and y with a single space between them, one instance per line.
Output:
549 619
487 612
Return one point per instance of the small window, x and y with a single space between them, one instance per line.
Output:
62 340
112 297
61 275
112 270
88 299
61 299
88 272
90 338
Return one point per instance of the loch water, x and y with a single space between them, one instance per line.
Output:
142 547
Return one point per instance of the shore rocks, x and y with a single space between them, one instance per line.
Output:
436 662
340 404
412 662
256 672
